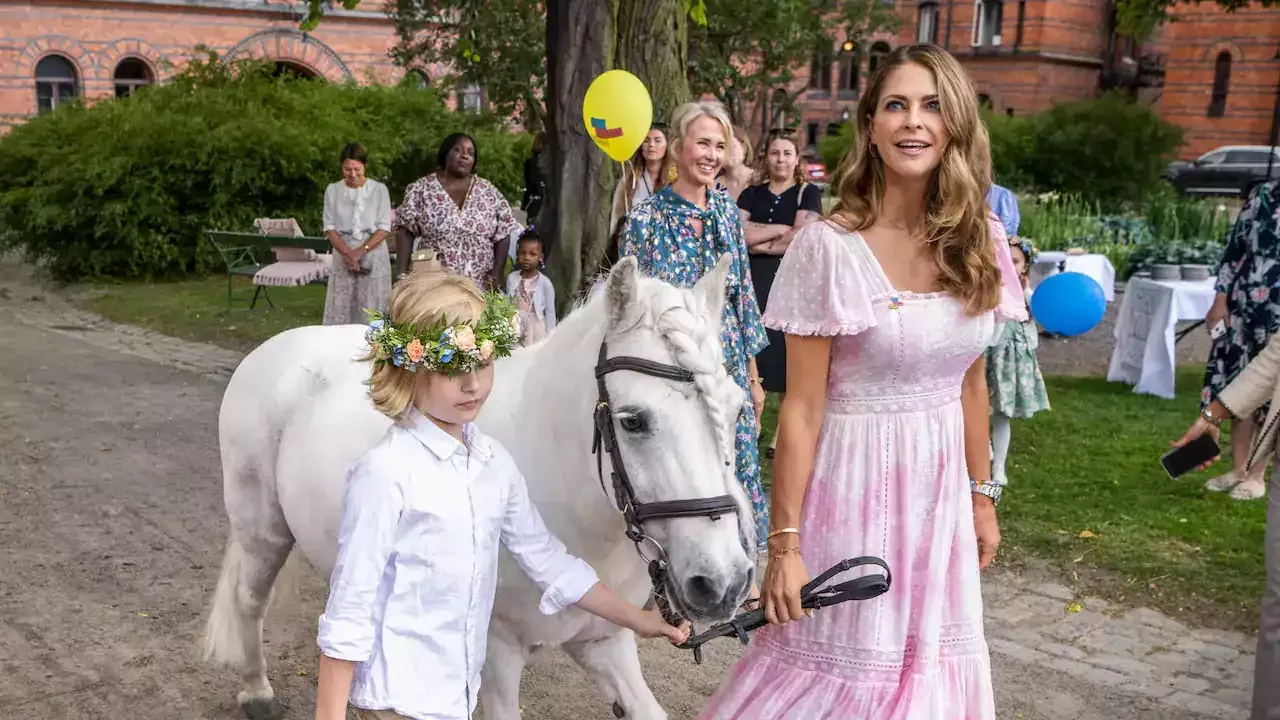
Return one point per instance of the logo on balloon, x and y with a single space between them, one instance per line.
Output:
617 113
603 131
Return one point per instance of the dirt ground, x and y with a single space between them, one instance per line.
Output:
112 526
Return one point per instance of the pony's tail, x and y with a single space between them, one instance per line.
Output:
225 633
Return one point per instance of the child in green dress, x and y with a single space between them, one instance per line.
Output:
1013 374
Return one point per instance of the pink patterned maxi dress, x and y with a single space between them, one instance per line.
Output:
889 480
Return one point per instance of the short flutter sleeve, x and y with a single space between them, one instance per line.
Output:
1013 304
820 288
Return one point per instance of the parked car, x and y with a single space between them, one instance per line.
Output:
815 170
1228 170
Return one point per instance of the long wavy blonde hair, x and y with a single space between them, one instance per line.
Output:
956 213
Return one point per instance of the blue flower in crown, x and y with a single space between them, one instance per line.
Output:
446 355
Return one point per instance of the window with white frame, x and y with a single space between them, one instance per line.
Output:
471 98
987 15
927 23
56 82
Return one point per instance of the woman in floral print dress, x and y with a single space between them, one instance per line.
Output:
678 235
464 218
1248 303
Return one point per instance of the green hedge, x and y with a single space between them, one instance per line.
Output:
1110 150
125 188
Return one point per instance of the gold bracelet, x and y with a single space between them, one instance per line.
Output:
779 554
783 531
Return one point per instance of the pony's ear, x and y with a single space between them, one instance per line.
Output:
710 290
622 289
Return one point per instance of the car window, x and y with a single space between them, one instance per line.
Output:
1247 157
1213 158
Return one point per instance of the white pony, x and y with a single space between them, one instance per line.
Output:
296 415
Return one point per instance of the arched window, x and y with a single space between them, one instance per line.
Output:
876 56
984 101
416 79
1221 82
131 74
294 71
56 82
927 22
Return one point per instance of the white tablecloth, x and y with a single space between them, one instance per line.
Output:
1094 265
1150 311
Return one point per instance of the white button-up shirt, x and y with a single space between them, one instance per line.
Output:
413 585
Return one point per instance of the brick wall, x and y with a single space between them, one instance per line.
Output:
96 36
1252 37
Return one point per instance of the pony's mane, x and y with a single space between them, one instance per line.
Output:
694 342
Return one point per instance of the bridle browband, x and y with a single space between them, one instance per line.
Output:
635 513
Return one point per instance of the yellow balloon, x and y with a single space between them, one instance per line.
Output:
618 113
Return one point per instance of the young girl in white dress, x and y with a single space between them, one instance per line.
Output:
404 632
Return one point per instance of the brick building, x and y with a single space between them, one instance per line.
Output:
1223 76
1026 54
52 50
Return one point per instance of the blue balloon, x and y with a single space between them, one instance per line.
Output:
1068 303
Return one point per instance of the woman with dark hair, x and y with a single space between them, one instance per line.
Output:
357 219
460 216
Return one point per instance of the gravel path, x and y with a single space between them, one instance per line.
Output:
112 523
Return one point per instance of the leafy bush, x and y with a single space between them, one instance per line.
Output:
1109 150
126 188
833 146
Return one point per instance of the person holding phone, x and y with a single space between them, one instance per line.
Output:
1256 385
1244 316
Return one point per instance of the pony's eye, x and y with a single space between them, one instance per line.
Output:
632 422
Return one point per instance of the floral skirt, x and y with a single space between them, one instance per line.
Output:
1249 329
1013 374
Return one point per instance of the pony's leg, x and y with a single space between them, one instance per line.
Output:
503 667
234 632
614 663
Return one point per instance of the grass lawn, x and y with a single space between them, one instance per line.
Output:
1091 464
1089 505
197 309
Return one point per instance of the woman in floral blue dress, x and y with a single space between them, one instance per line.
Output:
1248 304
678 235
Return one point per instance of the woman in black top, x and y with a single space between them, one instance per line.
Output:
773 212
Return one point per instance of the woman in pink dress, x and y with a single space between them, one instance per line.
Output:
887 308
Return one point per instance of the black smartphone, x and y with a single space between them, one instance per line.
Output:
1183 460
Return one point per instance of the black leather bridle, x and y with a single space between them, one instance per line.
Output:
635 513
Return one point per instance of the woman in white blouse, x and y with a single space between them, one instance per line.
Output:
357 219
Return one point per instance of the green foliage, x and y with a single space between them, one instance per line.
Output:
125 188
833 146
746 50
1108 151
499 45
1140 18
1163 229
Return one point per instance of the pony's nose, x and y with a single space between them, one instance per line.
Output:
715 593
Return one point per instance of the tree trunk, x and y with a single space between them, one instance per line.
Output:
653 44
586 38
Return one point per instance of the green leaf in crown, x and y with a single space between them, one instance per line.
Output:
446 347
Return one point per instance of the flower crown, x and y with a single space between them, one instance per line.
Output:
446 347
1028 250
